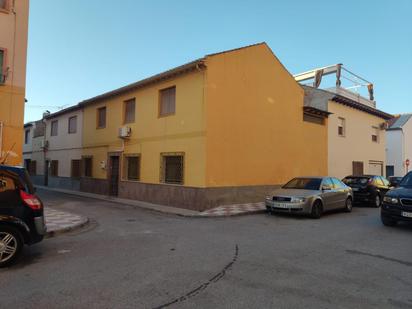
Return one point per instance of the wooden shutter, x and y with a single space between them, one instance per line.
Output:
357 168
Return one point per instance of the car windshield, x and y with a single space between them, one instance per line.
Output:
356 180
407 181
303 183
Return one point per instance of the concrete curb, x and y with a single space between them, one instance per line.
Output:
254 212
50 234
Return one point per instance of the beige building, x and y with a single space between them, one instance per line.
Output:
356 128
13 51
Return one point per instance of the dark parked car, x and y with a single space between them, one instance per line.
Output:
397 203
21 213
368 188
394 181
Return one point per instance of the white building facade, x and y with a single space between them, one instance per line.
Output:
399 145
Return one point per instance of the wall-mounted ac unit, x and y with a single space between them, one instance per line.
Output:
125 132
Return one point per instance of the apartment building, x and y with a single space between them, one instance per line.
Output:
222 129
53 148
399 145
356 128
13 54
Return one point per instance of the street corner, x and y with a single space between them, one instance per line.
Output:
58 221
234 210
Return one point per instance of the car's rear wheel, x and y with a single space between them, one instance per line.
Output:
11 243
348 204
377 201
316 212
387 221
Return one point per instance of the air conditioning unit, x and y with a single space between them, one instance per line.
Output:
125 132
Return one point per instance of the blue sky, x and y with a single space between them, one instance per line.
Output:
79 49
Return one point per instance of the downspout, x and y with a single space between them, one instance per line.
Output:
1 139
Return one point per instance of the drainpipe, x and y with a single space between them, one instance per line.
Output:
1 139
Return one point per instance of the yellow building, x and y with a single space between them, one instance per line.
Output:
219 130
13 53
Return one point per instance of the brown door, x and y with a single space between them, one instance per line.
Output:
114 175
357 168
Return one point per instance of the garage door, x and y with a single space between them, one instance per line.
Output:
376 168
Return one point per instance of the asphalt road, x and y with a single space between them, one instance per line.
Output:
132 258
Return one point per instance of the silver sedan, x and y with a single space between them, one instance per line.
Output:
311 196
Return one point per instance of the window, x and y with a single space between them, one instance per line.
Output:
75 169
4 5
375 135
337 184
131 167
341 126
72 124
101 117
8 193
54 168
88 163
129 111
327 184
385 182
313 119
2 65
167 104
54 128
26 136
172 168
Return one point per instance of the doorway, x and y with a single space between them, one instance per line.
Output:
114 176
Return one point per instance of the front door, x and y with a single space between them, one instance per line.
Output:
114 175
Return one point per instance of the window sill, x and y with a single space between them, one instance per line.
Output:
166 115
129 180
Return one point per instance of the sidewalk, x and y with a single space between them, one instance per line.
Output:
221 211
58 222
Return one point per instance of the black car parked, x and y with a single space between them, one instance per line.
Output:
394 180
397 203
368 188
21 213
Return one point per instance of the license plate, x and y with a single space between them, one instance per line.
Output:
281 205
406 214
355 189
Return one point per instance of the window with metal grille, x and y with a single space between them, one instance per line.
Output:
131 167
173 168
88 164
54 128
167 103
54 168
72 124
101 117
341 126
129 111
26 136
75 168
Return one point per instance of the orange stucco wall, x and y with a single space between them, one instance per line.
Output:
255 134
13 39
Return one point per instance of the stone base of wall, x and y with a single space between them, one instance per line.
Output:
57 182
94 185
179 196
